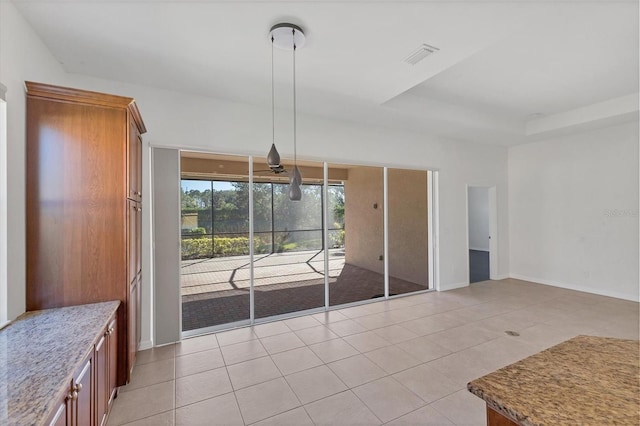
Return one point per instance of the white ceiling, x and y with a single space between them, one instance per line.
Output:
501 64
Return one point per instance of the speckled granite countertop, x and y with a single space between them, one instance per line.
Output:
583 381
39 353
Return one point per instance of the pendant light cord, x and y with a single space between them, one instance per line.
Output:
273 102
295 156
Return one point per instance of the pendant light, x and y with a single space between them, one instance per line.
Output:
287 37
273 158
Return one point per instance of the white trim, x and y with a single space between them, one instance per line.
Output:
151 277
446 287
493 233
144 345
325 232
179 225
479 249
493 230
215 329
252 315
436 230
4 284
466 232
553 283
385 228
500 277
430 228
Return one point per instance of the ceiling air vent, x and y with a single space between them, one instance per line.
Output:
420 53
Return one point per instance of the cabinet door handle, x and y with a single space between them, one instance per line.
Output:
77 388
139 209
72 396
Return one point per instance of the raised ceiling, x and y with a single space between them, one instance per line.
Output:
503 67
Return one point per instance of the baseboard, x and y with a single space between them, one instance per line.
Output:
615 294
500 277
445 287
145 344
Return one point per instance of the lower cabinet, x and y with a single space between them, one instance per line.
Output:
89 397
102 379
60 416
83 397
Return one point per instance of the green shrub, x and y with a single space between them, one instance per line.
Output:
202 248
196 248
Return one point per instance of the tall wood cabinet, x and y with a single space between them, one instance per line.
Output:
84 205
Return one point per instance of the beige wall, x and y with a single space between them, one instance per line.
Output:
364 242
407 190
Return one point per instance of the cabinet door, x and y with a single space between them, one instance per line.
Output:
132 249
139 164
61 416
112 345
83 395
134 162
138 236
102 382
133 323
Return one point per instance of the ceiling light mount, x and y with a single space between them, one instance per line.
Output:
280 34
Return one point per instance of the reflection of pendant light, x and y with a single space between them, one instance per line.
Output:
288 37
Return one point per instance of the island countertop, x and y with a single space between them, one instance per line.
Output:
585 380
39 353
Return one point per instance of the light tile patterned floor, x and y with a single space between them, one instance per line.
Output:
400 362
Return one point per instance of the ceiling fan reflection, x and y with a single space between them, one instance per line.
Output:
277 170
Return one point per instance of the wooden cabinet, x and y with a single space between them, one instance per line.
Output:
83 175
60 416
102 379
87 400
82 391
106 354
77 406
112 361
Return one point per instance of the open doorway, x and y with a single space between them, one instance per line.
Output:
481 211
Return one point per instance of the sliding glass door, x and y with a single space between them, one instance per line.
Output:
407 229
289 260
331 242
357 263
215 272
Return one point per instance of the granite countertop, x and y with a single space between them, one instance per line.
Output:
39 353
585 380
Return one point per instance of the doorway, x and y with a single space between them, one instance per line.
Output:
481 229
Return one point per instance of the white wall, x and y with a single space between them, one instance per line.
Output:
573 211
478 218
23 56
189 121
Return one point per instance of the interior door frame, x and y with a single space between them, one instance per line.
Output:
493 230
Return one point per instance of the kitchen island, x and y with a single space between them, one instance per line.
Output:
584 381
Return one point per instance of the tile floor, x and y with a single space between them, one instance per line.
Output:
404 361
